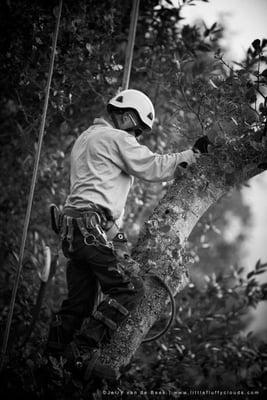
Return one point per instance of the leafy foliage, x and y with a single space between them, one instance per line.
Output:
205 348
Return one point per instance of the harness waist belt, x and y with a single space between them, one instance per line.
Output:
82 212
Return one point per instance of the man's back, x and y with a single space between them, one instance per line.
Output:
95 175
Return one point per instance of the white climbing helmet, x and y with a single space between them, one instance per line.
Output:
136 100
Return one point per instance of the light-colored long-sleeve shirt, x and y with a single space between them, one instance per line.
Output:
105 159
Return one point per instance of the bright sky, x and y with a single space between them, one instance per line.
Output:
245 20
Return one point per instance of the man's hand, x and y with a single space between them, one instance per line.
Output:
191 157
201 146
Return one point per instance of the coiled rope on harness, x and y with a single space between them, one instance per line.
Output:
173 308
32 188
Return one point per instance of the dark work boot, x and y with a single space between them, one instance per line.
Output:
84 362
81 358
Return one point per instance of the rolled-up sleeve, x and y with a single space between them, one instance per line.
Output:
137 160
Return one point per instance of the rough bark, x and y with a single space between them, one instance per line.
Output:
162 245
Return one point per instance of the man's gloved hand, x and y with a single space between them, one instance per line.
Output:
201 146
190 157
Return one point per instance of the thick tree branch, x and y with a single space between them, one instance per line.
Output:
162 245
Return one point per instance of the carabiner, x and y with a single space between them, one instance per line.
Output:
86 237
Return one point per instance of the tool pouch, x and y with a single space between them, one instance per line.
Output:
55 216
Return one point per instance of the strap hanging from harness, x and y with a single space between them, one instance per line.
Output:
115 304
83 227
92 222
55 218
70 232
63 228
105 320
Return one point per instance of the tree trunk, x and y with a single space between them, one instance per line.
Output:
162 246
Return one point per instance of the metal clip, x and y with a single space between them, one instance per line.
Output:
70 233
86 238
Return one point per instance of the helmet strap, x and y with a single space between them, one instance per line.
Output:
114 120
136 124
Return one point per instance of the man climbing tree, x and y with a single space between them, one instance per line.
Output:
104 160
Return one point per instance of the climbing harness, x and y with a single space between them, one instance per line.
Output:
90 222
32 188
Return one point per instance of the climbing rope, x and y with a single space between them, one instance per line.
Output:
31 193
130 45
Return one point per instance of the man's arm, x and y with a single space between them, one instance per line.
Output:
137 160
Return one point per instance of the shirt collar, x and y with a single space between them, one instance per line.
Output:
102 121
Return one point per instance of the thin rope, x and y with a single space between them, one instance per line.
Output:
130 45
31 193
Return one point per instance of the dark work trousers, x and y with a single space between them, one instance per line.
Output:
87 267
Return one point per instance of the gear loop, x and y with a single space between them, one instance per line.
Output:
95 219
90 236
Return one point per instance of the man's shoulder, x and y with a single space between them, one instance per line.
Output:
101 129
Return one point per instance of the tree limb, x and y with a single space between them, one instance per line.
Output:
163 247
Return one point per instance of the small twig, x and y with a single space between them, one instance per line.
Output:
193 212
22 107
258 75
227 65
192 109
221 128
260 92
253 109
96 92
